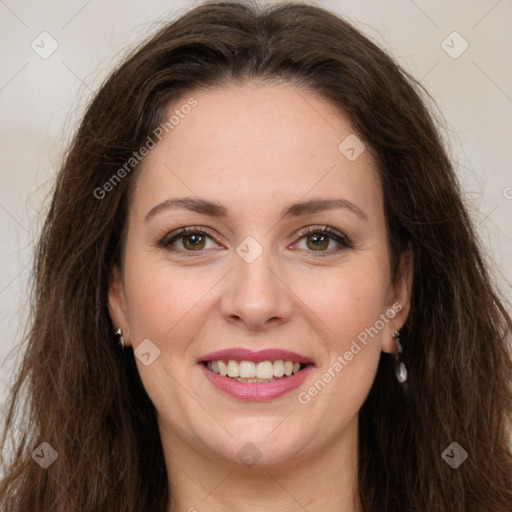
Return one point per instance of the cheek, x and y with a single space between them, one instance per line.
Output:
351 326
164 303
354 347
347 301
346 376
168 307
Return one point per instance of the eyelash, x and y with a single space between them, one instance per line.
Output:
343 240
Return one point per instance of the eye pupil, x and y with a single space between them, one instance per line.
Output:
320 239
197 239
194 240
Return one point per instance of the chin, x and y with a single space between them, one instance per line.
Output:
257 447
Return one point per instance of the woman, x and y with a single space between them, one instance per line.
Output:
257 288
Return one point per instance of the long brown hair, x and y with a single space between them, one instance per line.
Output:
84 396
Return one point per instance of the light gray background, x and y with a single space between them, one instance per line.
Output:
41 100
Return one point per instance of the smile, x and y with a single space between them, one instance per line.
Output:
255 376
255 372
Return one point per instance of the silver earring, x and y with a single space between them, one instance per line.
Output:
119 334
400 369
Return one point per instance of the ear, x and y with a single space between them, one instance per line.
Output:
116 303
399 300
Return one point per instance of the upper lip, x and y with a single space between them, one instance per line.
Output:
244 354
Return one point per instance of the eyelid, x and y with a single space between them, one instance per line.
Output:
176 234
332 233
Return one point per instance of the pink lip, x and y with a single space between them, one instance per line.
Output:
253 391
243 354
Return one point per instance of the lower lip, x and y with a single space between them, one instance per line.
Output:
254 391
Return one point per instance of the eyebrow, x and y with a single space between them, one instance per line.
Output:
292 210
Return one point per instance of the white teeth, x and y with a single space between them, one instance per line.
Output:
264 370
278 368
233 369
249 371
223 368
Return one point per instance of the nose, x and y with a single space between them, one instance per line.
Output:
256 294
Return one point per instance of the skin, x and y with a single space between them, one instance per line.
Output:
255 148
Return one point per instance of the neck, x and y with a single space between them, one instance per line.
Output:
323 480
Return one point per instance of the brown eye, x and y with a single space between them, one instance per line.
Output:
194 241
318 241
191 240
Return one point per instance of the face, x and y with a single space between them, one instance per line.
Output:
258 277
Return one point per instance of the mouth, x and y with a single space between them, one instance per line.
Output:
248 375
256 372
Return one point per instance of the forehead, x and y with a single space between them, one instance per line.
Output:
257 145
